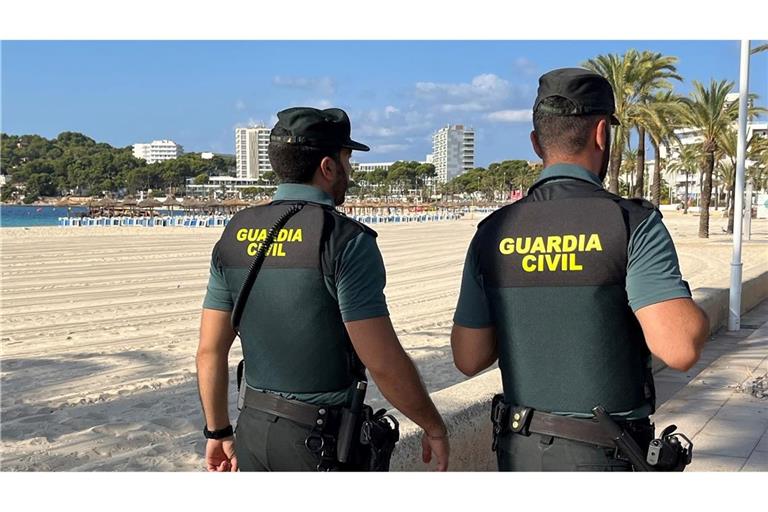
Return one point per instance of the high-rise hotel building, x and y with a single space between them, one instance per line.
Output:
251 155
453 151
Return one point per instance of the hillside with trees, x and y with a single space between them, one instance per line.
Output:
74 163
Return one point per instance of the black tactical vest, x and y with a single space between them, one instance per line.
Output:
292 333
554 267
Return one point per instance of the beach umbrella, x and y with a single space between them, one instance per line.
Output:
190 203
212 203
170 202
130 202
150 203
234 203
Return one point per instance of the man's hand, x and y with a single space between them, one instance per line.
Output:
220 455
439 446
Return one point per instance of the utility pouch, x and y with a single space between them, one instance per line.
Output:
670 451
240 385
379 432
498 418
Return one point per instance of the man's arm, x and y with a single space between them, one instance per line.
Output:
377 346
675 331
675 327
473 338
216 337
474 350
212 360
358 284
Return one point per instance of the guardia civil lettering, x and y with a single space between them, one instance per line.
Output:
551 253
257 235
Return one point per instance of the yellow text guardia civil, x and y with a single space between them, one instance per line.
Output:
551 253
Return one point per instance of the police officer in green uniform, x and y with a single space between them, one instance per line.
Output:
572 289
315 317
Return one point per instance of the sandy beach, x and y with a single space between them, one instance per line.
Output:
99 332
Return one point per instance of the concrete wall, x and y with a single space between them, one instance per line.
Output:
466 407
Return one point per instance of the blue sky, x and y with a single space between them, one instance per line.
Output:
396 92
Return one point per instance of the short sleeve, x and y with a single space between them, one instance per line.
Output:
653 270
360 280
472 309
217 295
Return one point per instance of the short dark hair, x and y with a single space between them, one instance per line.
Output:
562 134
297 164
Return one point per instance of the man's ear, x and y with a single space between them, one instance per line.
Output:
601 134
328 168
536 145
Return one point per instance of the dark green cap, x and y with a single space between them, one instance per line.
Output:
307 126
589 92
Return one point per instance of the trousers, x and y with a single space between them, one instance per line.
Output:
539 452
265 442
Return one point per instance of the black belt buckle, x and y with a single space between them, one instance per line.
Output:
520 420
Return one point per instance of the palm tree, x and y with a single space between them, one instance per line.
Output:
633 77
755 147
709 112
652 76
687 162
659 116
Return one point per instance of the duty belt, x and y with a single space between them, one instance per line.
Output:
300 412
525 421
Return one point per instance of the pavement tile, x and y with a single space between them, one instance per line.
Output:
737 412
708 462
730 446
758 461
762 446
704 393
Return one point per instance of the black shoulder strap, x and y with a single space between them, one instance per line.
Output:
258 261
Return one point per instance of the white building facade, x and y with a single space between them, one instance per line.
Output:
251 155
689 136
453 151
158 151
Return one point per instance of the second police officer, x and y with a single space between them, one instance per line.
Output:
572 289
313 320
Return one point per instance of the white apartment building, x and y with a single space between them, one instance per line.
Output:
251 155
370 167
693 136
157 151
223 185
453 151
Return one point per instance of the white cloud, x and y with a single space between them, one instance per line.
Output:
320 103
510 116
239 105
388 148
471 106
487 86
324 85
389 110
525 66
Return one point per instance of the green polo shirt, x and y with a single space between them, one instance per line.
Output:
358 285
653 270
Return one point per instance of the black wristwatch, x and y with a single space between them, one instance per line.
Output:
218 434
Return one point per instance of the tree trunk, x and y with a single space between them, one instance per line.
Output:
706 193
615 162
640 169
685 199
717 197
656 185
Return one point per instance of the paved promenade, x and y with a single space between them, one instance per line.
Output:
716 403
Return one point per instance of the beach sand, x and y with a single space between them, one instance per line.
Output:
99 332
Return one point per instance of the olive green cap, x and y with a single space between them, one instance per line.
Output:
307 126
589 92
